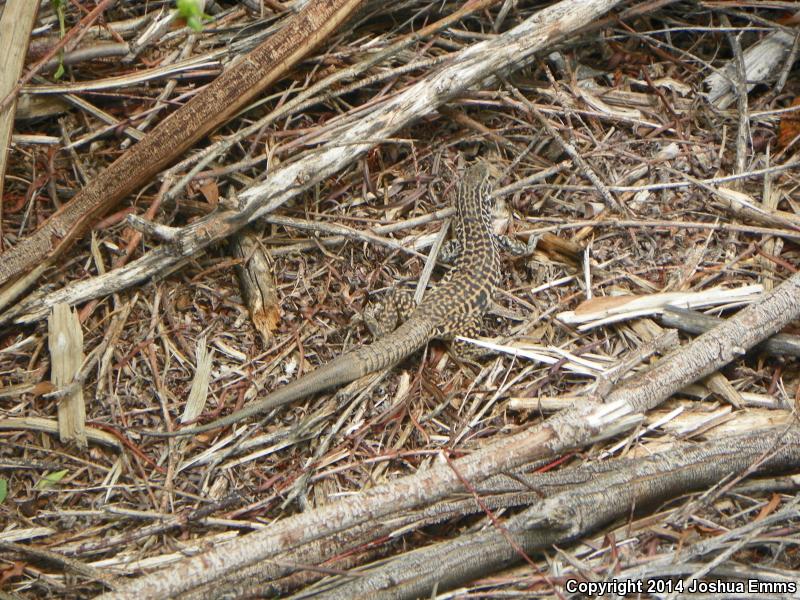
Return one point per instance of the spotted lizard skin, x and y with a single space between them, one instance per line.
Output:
454 307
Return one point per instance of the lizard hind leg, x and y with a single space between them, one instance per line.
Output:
384 317
470 326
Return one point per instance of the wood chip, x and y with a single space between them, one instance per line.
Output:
65 340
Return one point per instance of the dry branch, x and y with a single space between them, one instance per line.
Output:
694 322
575 427
467 68
574 492
580 509
220 100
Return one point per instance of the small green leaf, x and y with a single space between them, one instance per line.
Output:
3 490
59 71
192 11
51 479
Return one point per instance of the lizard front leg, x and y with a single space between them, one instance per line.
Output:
510 245
452 248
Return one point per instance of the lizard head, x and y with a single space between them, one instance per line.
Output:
477 187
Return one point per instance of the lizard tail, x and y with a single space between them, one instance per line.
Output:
384 353
339 371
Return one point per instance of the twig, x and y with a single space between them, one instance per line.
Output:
69 564
694 322
787 67
740 85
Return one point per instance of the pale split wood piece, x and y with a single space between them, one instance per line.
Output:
198 394
257 282
65 340
761 60
50 427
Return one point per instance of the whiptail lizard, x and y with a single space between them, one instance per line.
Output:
454 307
